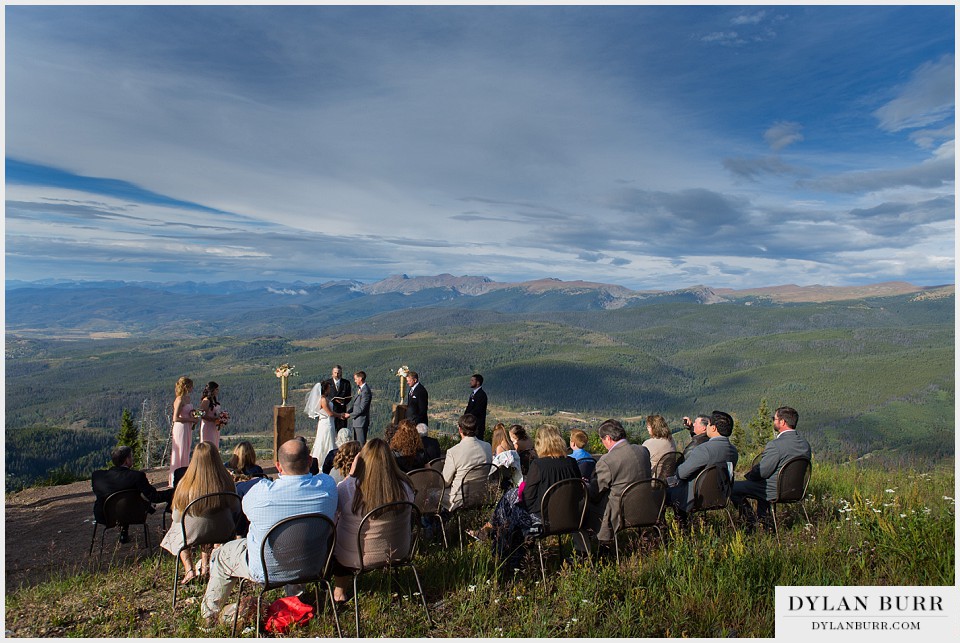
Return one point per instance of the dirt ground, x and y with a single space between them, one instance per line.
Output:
49 529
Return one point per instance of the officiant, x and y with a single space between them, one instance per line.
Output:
340 393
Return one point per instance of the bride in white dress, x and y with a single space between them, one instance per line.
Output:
319 407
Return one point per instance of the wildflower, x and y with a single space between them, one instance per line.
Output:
891 490
877 511
573 620
471 588
903 515
947 498
519 598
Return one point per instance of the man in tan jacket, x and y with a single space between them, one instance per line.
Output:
623 464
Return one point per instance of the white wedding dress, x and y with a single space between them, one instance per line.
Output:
326 431
326 435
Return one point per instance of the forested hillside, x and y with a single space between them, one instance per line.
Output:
870 378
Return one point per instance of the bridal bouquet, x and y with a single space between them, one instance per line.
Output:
223 419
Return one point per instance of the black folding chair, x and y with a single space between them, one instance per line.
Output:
475 493
218 527
122 509
437 464
387 554
300 549
563 510
711 490
792 481
667 465
428 488
641 507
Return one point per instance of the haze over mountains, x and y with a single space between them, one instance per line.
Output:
190 309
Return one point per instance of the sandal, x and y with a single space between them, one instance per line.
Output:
188 578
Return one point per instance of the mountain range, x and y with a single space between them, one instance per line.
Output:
75 309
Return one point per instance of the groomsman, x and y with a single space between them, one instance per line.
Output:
360 408
416 399
339 388
477 404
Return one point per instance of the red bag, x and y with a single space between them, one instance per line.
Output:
286 612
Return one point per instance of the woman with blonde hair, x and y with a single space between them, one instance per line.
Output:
244 461
206 474
375 479
506 458
183 421
661 440
408 447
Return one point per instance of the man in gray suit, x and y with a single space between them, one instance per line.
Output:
360 408
460 459
715 450
761 480
621 465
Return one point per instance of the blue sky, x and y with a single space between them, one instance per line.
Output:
652 147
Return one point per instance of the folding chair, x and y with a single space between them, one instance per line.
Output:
391 518
296 550
122 509
641 506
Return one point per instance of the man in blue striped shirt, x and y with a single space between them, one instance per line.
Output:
268 502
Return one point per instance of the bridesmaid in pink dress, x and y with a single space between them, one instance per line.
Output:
183 422
210 413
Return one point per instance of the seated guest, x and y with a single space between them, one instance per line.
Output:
519 508
431 446
523 446
622 465
244 460
761 480
205 474
375 479
585 461
661 439
388 432
344 435
120 477
295 492
408 447
698 431
717 449
460 459
506 458
344 460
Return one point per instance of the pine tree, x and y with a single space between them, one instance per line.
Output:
737 438
760 429
129 435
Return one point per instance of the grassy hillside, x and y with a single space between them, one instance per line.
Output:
868 527
868 377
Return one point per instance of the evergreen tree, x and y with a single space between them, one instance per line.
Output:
737 438
129 435
760 429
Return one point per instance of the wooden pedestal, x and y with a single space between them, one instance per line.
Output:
284 420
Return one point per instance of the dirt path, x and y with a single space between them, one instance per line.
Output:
48 532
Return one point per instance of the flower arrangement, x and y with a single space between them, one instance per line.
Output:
284 370
223 419
403 371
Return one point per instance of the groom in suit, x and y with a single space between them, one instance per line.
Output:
339 387
416 399
477 404
360 408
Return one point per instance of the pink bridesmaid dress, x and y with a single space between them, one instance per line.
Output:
180 449
209 432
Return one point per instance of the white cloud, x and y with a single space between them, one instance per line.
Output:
926 99
782 134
